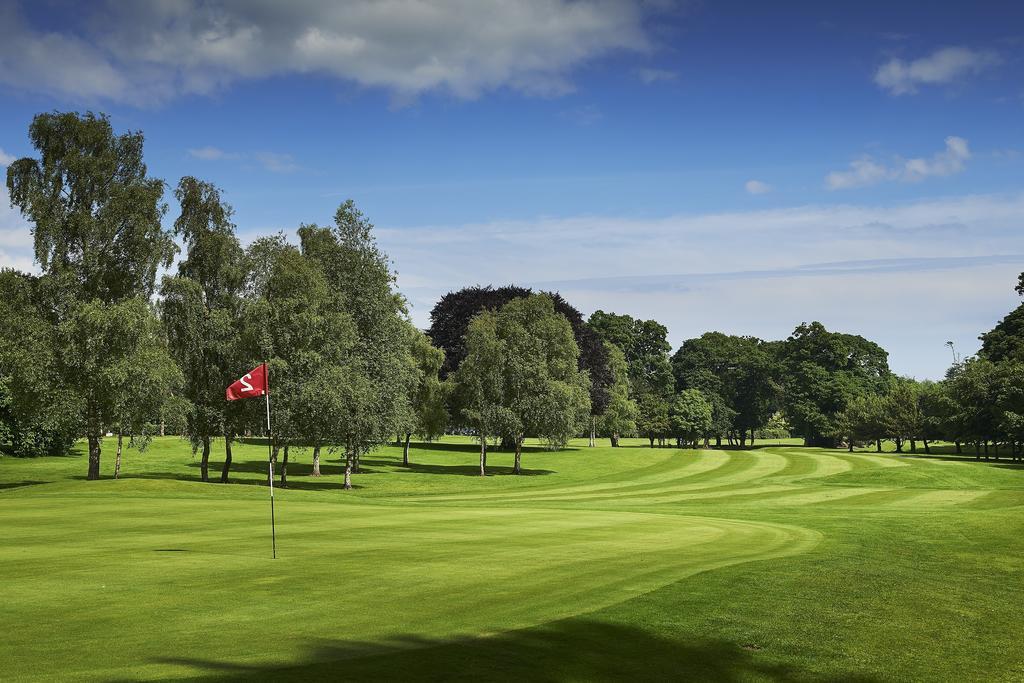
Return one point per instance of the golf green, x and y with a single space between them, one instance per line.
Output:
780 562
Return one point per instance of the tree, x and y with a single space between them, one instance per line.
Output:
36 416
309 344
619 416
324 402
545 393
645 346
690 417
777 427
428 415
903 418
936 412
823 371
479 383
1010 403
741 372
117 355
521 377
99 242
361 284
973 390
865 420
140 383
202 310
451 315
653 421
1006 340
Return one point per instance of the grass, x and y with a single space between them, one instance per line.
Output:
778 563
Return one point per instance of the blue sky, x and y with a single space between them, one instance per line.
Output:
733 166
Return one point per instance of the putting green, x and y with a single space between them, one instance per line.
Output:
141 567
155 577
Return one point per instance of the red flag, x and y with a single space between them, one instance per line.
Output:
253 384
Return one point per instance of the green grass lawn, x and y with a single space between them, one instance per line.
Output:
777 563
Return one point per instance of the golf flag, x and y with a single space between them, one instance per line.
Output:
252 384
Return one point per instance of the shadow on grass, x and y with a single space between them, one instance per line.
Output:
569 650
324 482
475 448
458 470
20 484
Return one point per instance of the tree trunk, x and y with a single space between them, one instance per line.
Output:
204 462
959 447
851 445
117 459
348 469
316 460
593 430
517 466
926 449
483 457
899 444
405 450
227 459
878 445
94 457
273 457
718 441
615 439
355 462
751 438
913 445
652 441
284 468
161 427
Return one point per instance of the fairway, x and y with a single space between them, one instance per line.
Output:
779 562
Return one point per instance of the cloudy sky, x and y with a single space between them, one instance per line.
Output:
734 166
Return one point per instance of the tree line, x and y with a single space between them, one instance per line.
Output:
132 328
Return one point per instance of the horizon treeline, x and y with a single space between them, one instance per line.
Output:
98 344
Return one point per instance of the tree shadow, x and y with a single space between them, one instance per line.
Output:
456 470
305 483
475 448
20 484
295 468
568 650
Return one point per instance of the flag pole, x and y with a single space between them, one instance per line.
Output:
270 461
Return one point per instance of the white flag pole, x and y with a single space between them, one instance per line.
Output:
270 460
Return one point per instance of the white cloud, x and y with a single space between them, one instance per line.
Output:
211 154
649 76
147 53
278 163
757 187
270 161
947 162
5 158
946 65
586 115
863 171
868 171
